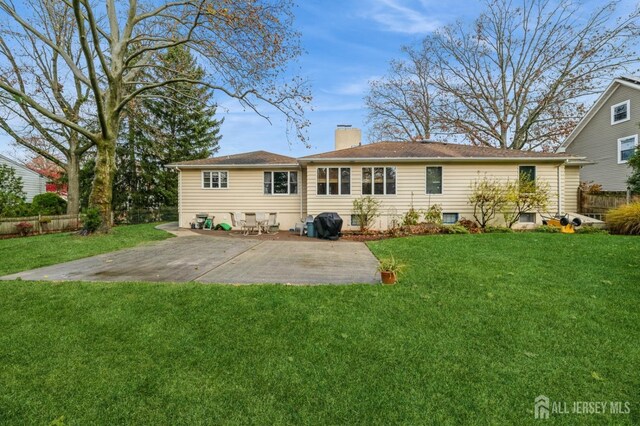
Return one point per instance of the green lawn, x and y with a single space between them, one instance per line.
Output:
21 254
478 327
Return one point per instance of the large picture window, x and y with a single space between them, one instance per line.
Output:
215 180
334 181
434 180
378 180
280 183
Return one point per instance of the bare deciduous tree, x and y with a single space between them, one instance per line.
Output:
400 103
40 74
244 45
518 77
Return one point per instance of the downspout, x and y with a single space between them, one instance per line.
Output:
179 196
559 188
300 192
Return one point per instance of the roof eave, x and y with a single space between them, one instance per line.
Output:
231 166
438 159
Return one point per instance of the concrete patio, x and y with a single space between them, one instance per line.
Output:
225 260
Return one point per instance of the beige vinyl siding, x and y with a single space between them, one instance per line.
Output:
245 193
571 184
598 142
411 188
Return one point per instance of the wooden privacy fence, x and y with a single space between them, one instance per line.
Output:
596 205
41 224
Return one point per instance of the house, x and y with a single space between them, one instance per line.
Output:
32 183
608 135
399 174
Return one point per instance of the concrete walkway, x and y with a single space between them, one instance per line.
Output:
221 260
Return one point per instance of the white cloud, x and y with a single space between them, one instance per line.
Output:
403 16
352 88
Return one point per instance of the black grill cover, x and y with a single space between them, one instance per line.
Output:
328 226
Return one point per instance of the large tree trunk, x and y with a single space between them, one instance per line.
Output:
73 185
102 189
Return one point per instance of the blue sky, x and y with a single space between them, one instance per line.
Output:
347 43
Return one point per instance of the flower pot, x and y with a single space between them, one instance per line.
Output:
388 277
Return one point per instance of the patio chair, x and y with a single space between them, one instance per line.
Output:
250 223
273 217
263 222
237 221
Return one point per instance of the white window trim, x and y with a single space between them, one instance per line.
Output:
635 140
214 171
384 181
273 186
326 194
441 177
613 108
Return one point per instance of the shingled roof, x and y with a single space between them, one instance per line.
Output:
429 150
378 151
247 159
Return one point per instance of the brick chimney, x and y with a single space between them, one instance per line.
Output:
347 136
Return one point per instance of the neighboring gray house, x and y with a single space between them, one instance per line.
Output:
32 183
608 135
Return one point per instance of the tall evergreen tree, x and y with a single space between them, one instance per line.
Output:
174 123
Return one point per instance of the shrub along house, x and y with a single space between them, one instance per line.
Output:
401 175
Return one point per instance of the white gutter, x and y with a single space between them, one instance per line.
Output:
580 162
436 159
303 161
232 166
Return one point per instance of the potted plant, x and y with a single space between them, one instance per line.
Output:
389 269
